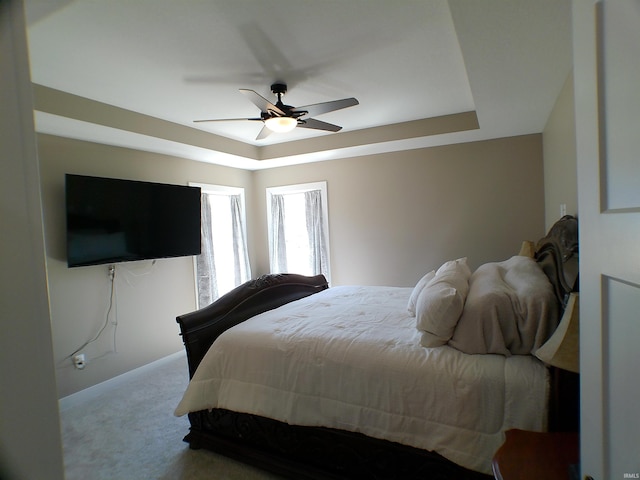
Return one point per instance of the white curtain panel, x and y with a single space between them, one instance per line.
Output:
278 246
242 269
205 262
315 230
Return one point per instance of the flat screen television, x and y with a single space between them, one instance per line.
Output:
112 220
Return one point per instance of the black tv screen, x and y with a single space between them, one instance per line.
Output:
111 220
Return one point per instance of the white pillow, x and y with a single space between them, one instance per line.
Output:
441 302
456 269
416 291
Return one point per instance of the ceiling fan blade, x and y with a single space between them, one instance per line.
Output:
262 103
264 133
228 120
326 107
318 125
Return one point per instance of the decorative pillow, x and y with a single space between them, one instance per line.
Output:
416 291
440 303
511 309
528 249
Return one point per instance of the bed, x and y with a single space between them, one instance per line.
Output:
368 382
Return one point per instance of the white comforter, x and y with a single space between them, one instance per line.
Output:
350 358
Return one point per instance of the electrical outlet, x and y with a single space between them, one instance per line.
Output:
79 361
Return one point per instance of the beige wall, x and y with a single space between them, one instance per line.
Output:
393 217
148 296
559 148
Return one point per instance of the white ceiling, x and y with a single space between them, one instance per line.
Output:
151 67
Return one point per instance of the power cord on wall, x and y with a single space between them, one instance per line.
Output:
113 304
113 307
131 274
79 359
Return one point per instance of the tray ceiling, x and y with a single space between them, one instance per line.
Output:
426 72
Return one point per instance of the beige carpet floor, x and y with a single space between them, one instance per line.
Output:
130 432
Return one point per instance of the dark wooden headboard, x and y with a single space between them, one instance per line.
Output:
199 329
557 254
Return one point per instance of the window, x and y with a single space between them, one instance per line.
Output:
298 229
223 263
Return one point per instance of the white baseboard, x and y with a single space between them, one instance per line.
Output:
90 393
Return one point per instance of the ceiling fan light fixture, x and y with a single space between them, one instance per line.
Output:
281 124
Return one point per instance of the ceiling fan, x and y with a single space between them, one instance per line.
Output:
279 117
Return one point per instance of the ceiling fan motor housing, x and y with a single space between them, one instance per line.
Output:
279 88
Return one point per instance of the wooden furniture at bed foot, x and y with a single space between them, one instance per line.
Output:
535 455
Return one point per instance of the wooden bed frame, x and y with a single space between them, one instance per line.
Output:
322 453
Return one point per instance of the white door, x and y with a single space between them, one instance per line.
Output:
606 43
